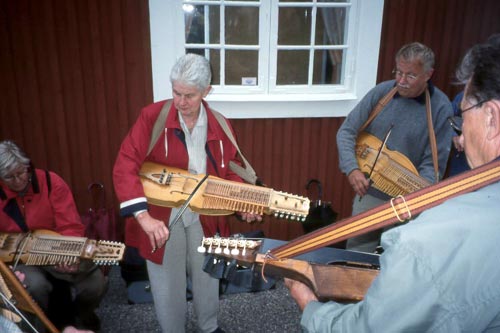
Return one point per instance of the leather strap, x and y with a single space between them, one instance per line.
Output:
159 125
396 211
432 135
380 105
247 173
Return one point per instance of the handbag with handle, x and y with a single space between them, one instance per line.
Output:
99 220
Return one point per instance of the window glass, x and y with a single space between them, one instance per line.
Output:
330 26
297 60
195 29
294 26
241 67
242 25
327 66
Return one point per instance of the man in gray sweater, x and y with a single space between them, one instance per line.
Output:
406 114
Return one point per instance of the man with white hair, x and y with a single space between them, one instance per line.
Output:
191 139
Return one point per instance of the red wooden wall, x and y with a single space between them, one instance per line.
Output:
75 74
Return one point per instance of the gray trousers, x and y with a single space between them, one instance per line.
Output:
169 281
88 285
369 241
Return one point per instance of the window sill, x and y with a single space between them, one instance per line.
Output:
283 108
279 97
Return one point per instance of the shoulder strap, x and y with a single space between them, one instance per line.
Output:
159 125
247 173
432 135
380 105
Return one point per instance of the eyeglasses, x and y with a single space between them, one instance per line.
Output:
456 122
477 105
17 175
409 77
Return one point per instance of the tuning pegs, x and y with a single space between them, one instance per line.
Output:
226 249
201 248
292 216
218 249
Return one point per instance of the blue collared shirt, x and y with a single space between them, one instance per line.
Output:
439 273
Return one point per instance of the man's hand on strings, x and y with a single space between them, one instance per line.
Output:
301 293
65 268
250 217
20 275
358 182
72 329
156 230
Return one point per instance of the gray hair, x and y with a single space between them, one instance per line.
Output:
11 157
480 67
417 51
192 70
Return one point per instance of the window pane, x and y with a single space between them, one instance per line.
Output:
330 26
294 27
293 67
242 25
327 66
194 20
239 65
196 51
215 64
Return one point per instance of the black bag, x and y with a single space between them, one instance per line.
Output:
321 213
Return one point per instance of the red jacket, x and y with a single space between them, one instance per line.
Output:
132 155
55 211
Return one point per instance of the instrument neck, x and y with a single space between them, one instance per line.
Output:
398 210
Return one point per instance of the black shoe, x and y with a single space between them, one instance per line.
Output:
219 330
89 321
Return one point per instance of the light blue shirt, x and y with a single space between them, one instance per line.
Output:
439 273
8 326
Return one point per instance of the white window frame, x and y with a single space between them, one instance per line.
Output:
167 45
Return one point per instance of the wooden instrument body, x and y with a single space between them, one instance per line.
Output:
171 187
393 174
45 247
16 294
347 282
342 282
